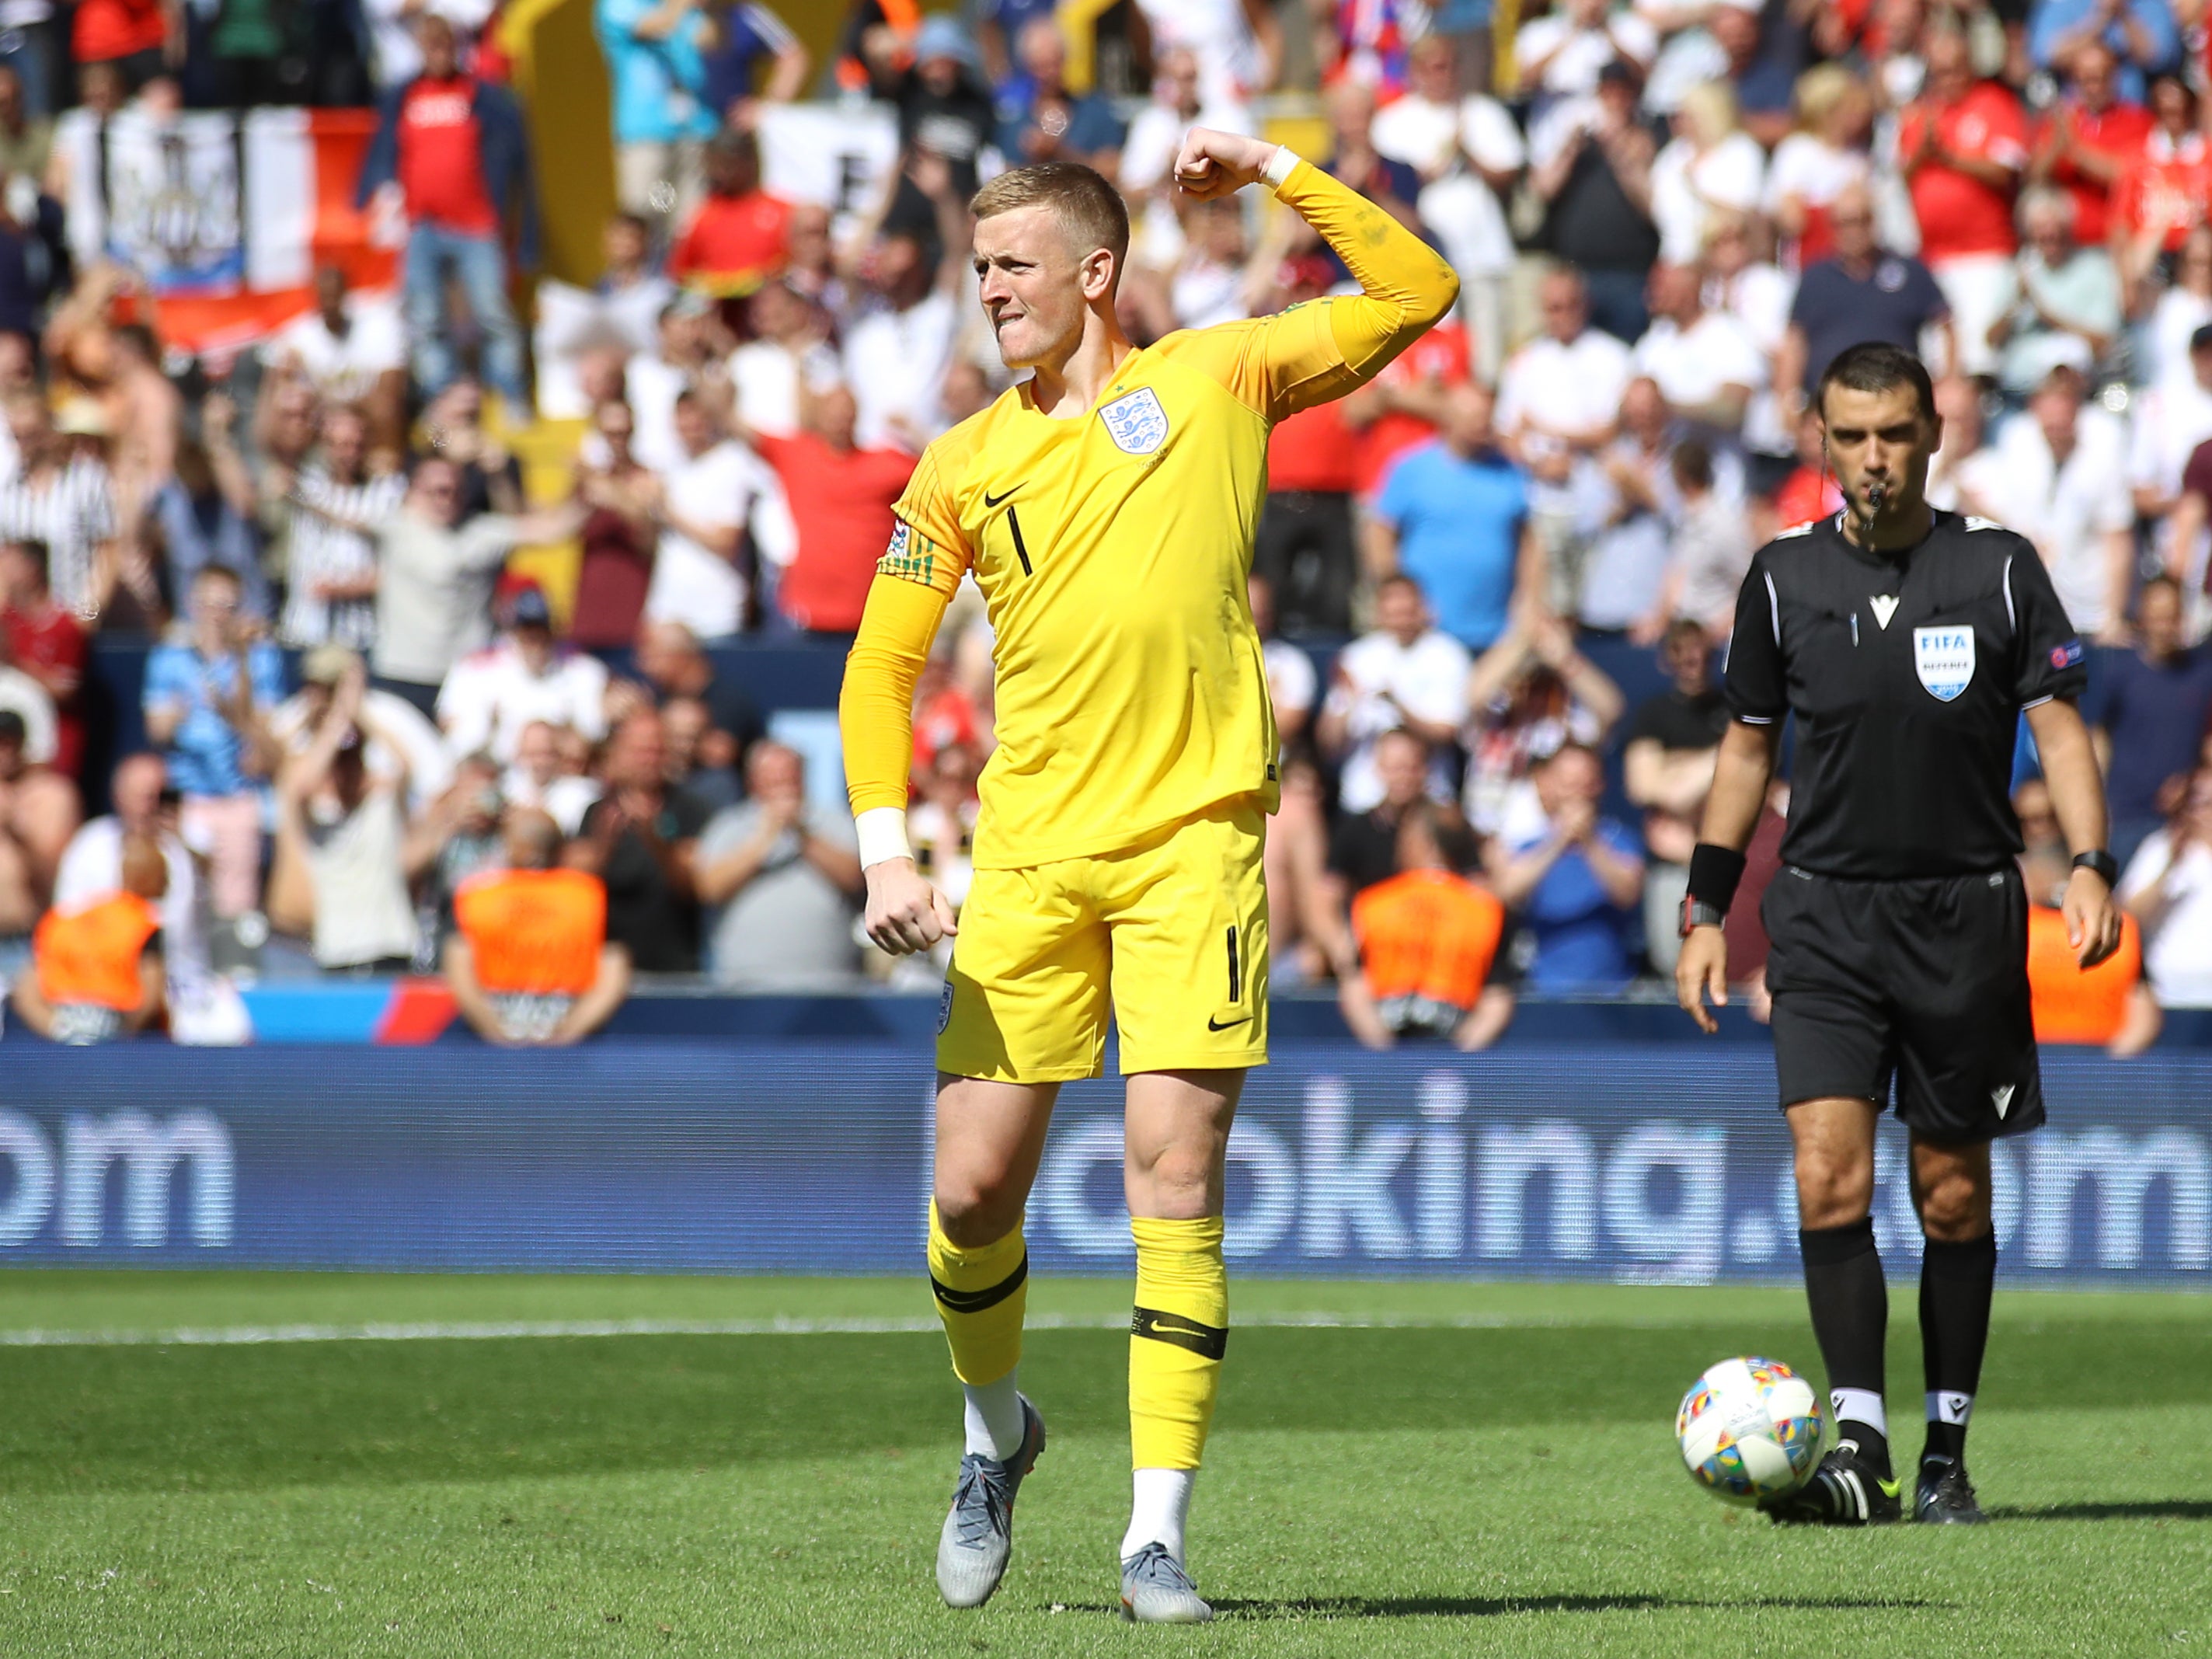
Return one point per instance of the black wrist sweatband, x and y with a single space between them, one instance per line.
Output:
1714 873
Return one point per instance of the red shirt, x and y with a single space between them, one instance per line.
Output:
440 158
2166 187
841 505
1440 355
611 582
1959 215
107 29
1806 495
1314 450
39 645
733 243
2118 132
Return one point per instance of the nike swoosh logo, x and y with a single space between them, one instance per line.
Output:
991 500
1890 1488
1213 1024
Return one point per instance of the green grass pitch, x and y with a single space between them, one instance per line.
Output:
1486 1470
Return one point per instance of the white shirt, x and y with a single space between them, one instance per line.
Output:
1687 187
1427 135
2177 958
1291 682
1582 52
395 55
725 485
333 538
1759 298
2065 510
571 321
1216 32
1812 171
895 362
1428 680
343 370
491 695
1456 203
1573 388
2171 420
1158 133
1691 367
2178 314
653 385
92 867
565 798
1203 294
767 378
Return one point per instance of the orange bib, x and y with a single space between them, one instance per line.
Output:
2072 1006
1427 933
89 956
535 932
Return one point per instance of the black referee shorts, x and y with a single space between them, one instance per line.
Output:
1922 982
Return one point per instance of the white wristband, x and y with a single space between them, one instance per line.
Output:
1277 173
881 831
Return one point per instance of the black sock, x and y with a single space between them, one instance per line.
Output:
1850 1317
1955 1285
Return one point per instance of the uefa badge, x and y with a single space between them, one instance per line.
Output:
1137 424
1944 658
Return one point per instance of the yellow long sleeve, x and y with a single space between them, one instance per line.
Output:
875 707
1405 286
1322 349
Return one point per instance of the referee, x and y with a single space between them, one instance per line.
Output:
1907 643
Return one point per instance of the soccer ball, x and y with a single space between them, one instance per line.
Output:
1750 1429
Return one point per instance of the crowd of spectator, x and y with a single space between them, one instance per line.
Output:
1493 584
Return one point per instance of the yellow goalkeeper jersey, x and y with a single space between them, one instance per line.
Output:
1112 552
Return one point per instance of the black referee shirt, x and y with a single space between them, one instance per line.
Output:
1907 671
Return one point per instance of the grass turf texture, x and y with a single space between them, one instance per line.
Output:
1498 1479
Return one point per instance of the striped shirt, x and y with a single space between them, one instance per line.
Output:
334 539
72 510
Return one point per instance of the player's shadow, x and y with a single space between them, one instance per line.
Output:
2169 1509
1488 1606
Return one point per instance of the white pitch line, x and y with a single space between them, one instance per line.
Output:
509 1330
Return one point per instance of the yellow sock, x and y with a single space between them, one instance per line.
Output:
980 1294
1177 1334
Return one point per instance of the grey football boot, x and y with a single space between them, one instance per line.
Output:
978 1539
1156 1591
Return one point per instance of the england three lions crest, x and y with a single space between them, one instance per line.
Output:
1137 424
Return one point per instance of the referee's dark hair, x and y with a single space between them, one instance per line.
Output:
1876 366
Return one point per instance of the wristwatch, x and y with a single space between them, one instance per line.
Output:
1696 913
2106 867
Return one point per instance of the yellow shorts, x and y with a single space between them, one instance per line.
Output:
1174 928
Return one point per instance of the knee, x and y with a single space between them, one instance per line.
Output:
977 1204
1954 1208
1832 1191
1181 1182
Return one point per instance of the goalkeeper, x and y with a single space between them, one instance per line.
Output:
1106 507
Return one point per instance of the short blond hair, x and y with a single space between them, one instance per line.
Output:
1818 90
1090 209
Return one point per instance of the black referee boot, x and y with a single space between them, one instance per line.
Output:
1847 1490
1944 1496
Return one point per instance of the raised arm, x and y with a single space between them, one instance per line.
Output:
1322 349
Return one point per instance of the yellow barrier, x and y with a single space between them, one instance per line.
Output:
560 77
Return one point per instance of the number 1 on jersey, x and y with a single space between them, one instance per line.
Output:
1021 548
